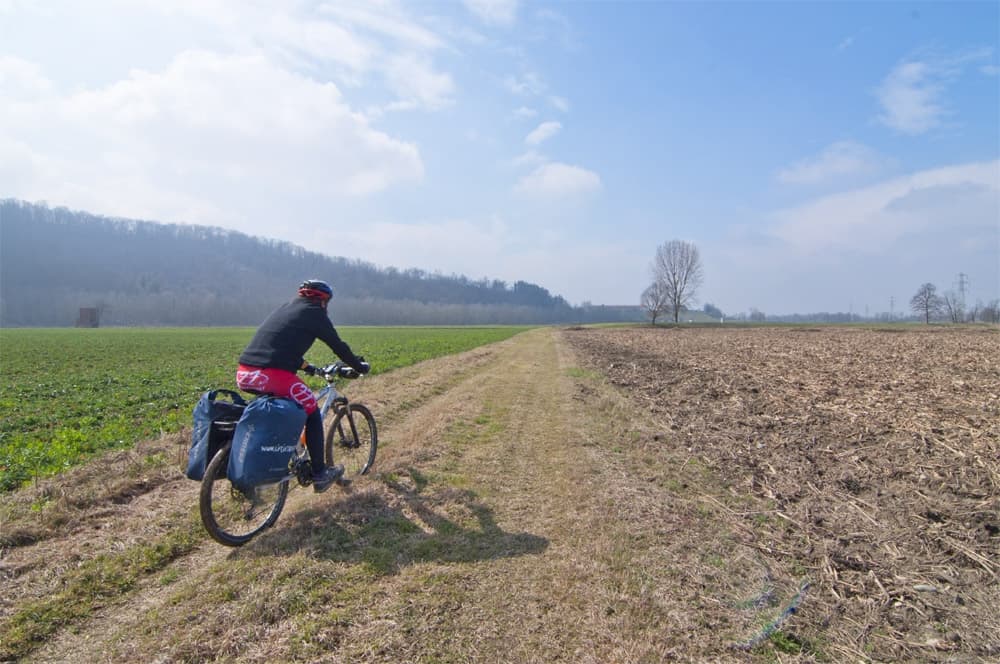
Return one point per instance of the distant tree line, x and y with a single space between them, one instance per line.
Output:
951 306
54 261
927 305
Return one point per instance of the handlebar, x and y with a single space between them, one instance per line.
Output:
340 369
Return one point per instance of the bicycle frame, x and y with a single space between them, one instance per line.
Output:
329 400
329 396
334 401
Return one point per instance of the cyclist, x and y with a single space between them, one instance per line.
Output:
268 364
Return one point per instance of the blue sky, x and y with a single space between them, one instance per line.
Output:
821 156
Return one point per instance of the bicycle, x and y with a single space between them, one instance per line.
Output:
233 517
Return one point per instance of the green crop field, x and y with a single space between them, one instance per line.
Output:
66 394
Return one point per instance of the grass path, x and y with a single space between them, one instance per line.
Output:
519 511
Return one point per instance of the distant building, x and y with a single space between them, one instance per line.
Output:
89 317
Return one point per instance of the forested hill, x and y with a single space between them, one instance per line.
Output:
55 261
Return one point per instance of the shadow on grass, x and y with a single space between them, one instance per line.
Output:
388 529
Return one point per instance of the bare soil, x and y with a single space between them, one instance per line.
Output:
596 495
865 462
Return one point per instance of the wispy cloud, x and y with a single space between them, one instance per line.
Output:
529 158
555 27
494 12
911 98
870 219
529 83
417 84
525 112
912 95
559 103
841 159
864 245
557 179
384 20
543 132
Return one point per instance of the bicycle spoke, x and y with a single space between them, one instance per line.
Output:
231 516
352 440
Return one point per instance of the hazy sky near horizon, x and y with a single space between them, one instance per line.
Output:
822 156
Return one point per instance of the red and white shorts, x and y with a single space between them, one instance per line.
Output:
278 382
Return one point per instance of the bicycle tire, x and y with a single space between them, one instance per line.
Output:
231 517
355 449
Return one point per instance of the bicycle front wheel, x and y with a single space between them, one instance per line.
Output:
231 516
352 440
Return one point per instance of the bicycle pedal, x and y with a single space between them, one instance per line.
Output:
343 481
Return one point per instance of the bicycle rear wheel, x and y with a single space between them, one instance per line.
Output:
230 516
352 440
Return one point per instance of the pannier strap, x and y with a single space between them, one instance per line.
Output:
234 396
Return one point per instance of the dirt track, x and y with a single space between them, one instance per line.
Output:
522 509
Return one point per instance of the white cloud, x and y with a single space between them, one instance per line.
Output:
990 70
858 248
963 199
556 28
208 133
556 179
417 84
361 41
525 112
386 20
494 12
528 84
543 132
912 96
529 158
531 84
559 103
20 78
322 40
844 158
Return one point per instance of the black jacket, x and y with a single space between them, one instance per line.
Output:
283 338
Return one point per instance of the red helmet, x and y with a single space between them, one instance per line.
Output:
314 288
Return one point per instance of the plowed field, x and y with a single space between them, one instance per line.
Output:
863 467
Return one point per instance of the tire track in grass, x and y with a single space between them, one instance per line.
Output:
120 590
507 519
520 447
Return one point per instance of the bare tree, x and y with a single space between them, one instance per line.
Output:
990 312
974 311
654 301
926 302
953 306
677 269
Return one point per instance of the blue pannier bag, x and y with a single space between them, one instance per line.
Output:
212 428
265 440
